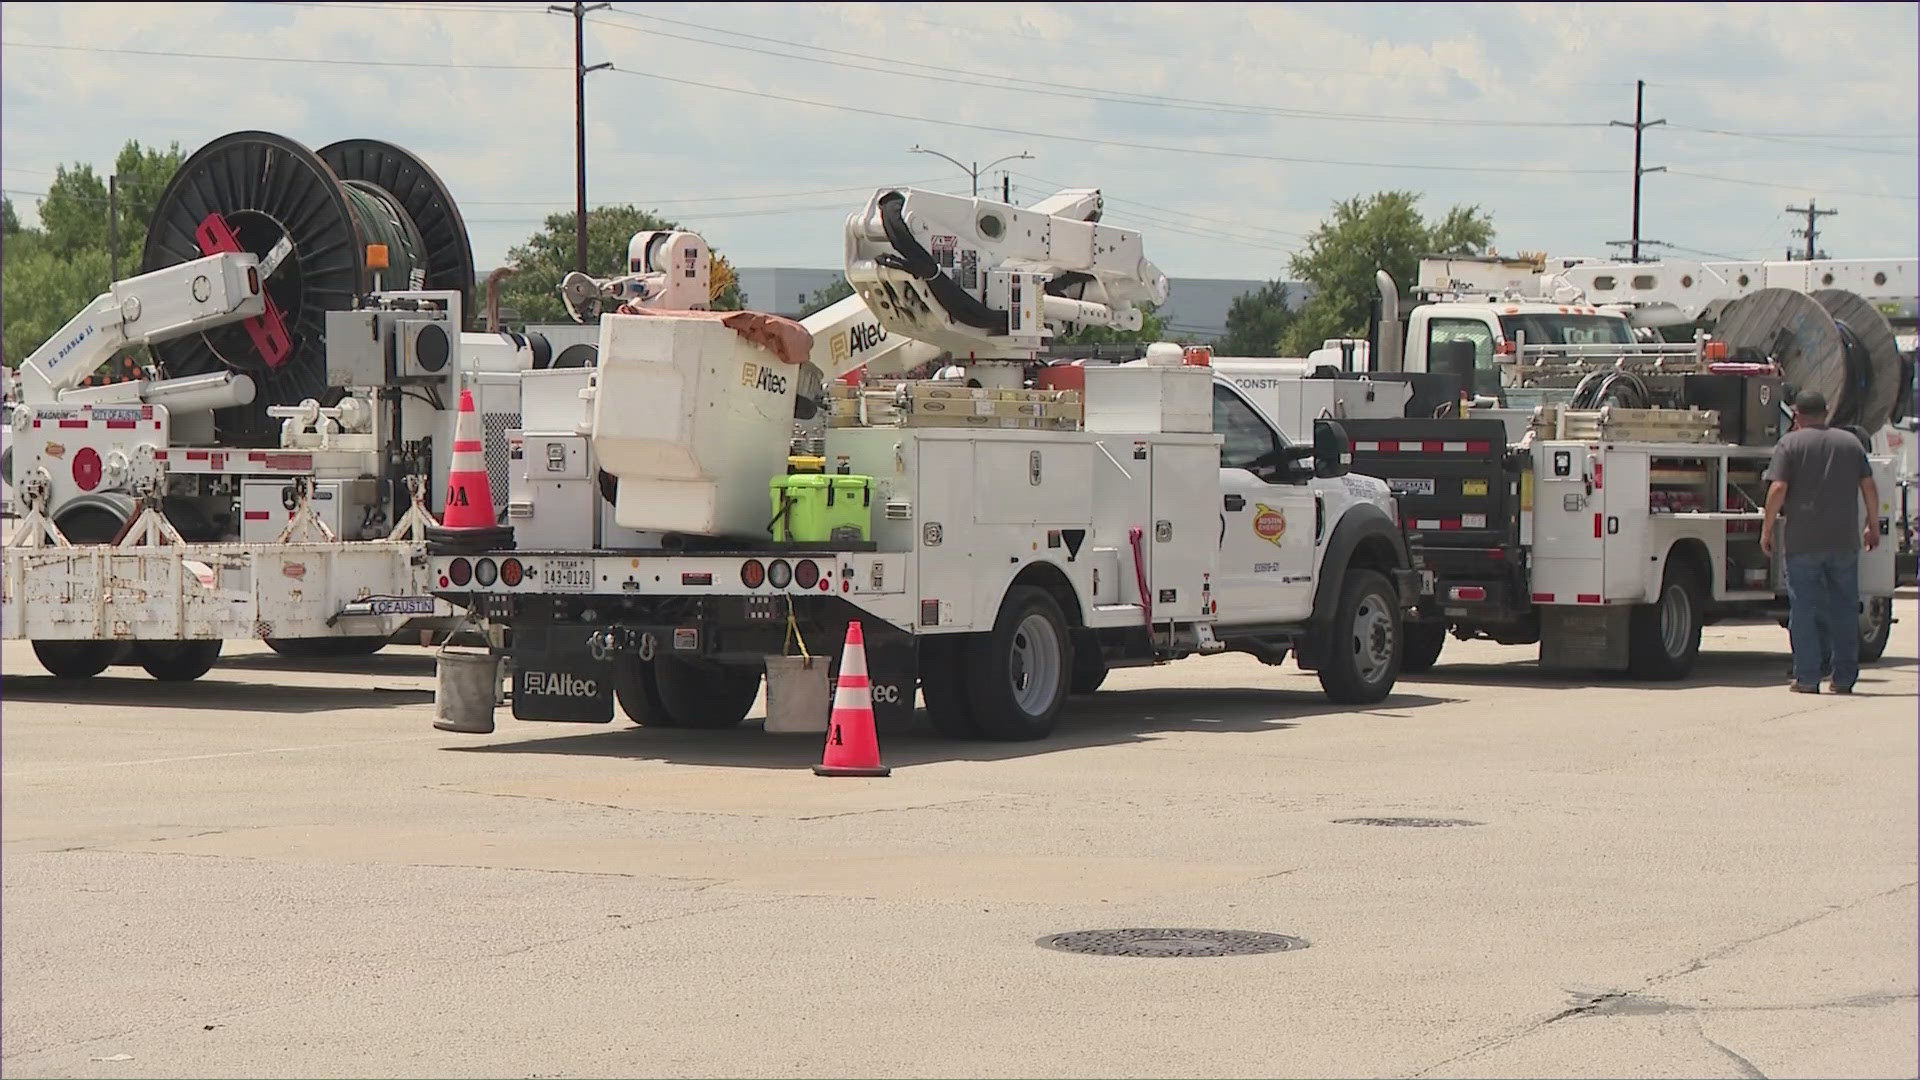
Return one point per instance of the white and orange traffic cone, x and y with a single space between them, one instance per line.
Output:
852 747
467 517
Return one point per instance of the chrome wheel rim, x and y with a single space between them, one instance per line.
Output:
1373 638
1036 667
1676 620
1873 615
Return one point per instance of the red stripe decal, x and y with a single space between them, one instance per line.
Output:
1449 523
1479 447
1589 598
1434 447
159 455
1388 446
73 423
123 425
1543 598
257 515
1596 526
196 455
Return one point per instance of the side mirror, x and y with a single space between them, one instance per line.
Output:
1332 450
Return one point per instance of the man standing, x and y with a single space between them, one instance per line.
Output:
1815 473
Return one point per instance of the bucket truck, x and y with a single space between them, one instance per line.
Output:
1002 545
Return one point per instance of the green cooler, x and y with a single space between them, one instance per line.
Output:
819 508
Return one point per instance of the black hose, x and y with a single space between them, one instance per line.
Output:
914 259
1856 377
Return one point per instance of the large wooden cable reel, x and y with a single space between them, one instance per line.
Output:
316 214
1830 341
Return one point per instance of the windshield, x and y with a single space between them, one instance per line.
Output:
1556 329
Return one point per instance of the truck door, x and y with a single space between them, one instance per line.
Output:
1268 520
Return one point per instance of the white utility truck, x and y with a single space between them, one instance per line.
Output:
1565 479
1002 545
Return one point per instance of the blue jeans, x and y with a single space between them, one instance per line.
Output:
1824 620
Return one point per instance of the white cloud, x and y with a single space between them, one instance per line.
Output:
506 137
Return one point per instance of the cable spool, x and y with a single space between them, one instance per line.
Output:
267 188
1826 345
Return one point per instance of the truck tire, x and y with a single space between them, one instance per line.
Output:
1089 667
943 688
1366 641
1424 642
638 692
177 661
696 694
1876 626
1663 638
326 648
75 659
1017 675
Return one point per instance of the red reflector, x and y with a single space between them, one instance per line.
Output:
696 579
1469 592
1589 598
1598 469
257 515
1596 526
1543 598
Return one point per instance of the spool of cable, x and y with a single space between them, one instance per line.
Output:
312 227
1849 365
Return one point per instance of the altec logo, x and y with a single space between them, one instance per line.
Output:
559 684
1269 524
761 377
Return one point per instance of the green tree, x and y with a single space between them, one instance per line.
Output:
547 257
1257 322
1383 231
9 221
827 297
52 271
1152 328
43 287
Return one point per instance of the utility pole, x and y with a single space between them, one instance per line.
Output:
975 169
1640 125
579 12
1814 214
113 227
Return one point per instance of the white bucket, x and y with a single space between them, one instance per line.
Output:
797 701
468 689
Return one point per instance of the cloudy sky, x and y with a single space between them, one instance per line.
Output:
1222 131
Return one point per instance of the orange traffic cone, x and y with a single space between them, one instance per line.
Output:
852 747
467 521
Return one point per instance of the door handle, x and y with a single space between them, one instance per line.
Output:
1236 502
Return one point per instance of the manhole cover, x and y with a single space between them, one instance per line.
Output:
1407 822
1171 942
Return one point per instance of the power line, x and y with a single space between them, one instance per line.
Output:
1051 88
1085 140
1057 185
1789 141
285 59
1791 187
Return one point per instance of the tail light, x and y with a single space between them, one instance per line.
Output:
779 574
485 573
460 570
511 572
1715 350
752 574
1469 592
807 574
1199 356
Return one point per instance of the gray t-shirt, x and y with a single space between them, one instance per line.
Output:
1822 468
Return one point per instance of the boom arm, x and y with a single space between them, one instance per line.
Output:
847 337
983 279
154 307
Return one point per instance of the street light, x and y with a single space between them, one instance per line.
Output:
975 169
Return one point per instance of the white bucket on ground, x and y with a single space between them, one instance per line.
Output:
467 691
797 697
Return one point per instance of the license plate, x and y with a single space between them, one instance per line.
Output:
568 575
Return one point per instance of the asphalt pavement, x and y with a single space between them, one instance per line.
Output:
284 870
